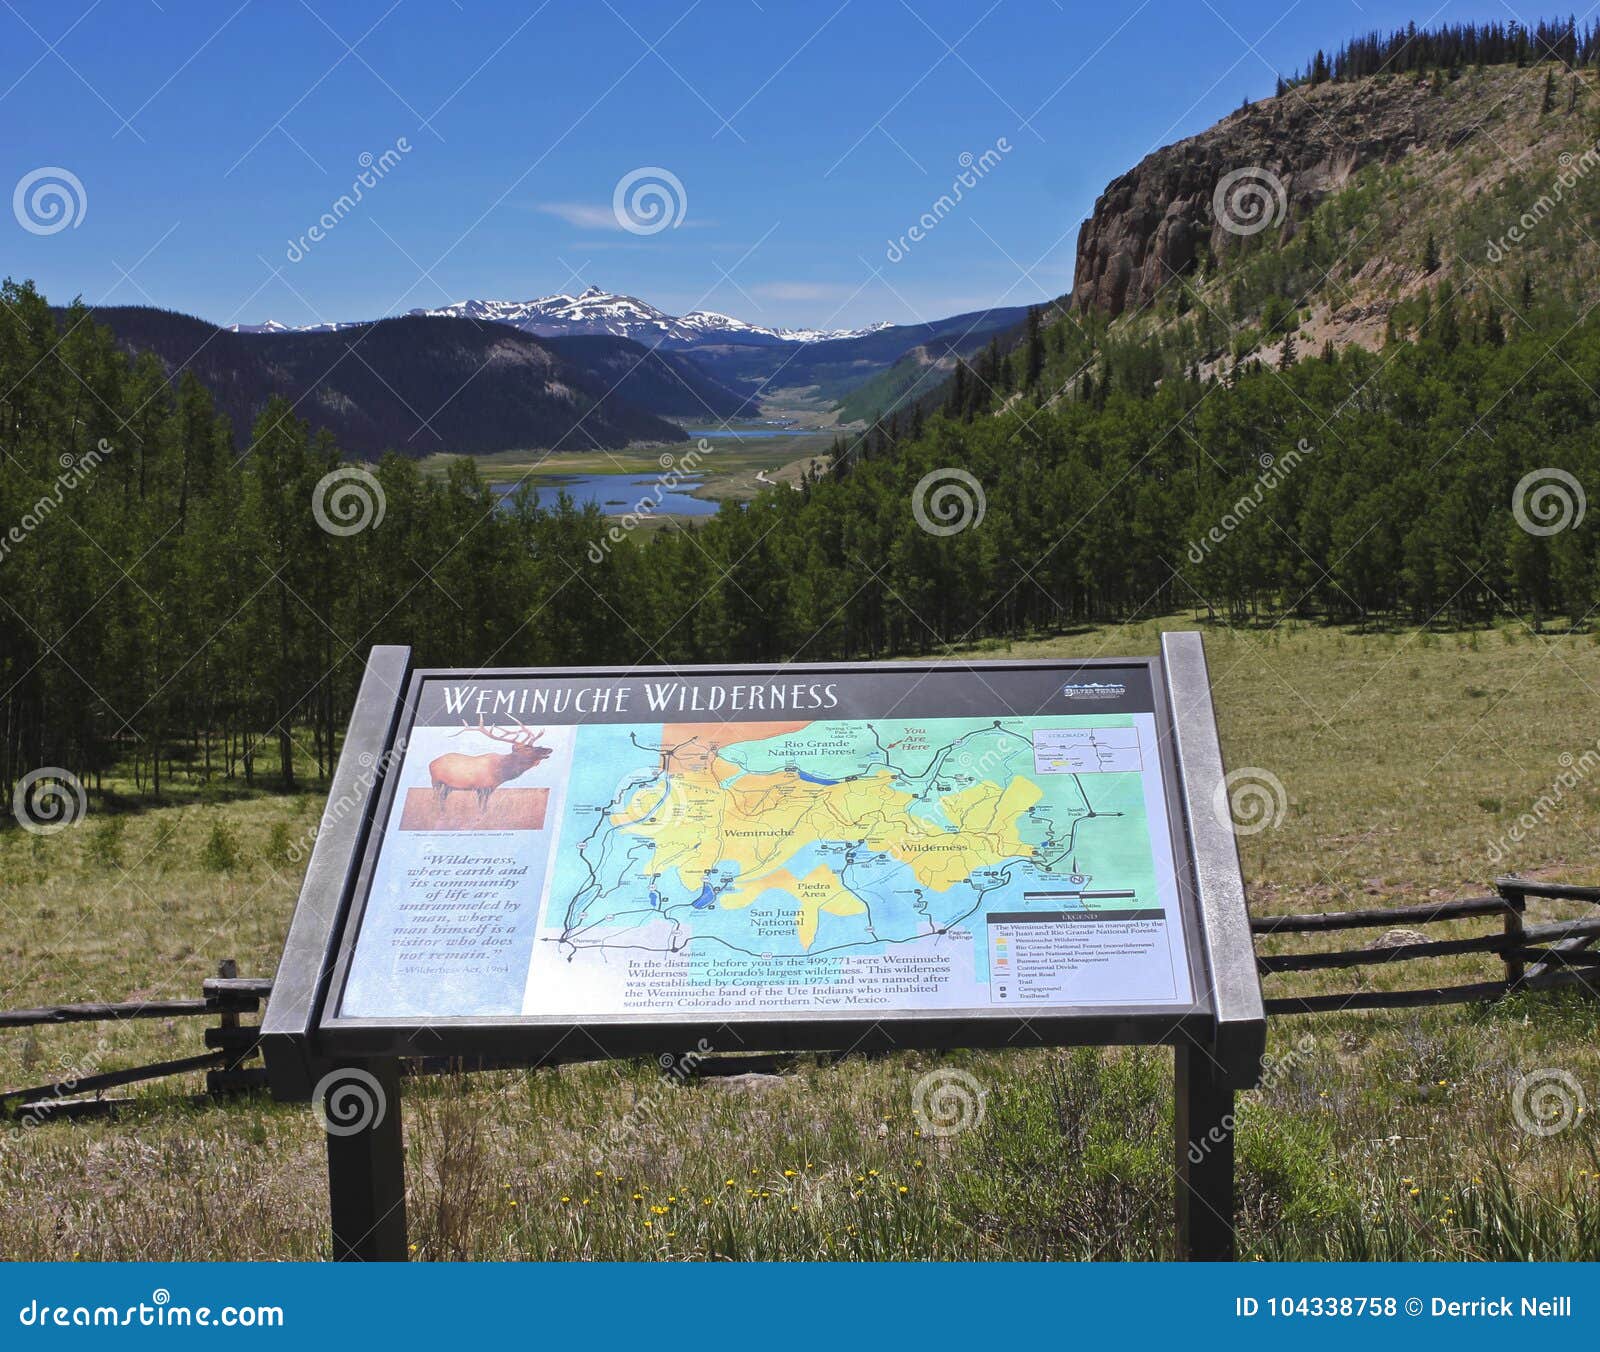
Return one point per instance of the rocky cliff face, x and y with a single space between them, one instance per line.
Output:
1271 162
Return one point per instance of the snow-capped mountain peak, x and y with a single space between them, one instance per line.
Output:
825 335
596 310
273 326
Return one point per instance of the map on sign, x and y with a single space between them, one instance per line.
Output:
784 864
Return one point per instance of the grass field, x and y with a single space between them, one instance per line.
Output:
1406 762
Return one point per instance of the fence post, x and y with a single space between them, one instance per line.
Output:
227 1037
228 969
1516 904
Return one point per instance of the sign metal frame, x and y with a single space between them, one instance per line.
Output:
1218 1039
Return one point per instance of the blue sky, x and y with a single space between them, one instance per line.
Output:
210 137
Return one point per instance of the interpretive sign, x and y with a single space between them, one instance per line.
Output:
719 845
565 863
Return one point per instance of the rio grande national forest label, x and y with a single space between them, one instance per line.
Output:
785 845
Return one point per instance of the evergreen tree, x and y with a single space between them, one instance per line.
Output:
1446 328
960 393
1033 351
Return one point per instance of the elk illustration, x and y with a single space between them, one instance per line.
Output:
485 773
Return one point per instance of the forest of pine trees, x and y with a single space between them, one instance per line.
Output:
170 608
1410 50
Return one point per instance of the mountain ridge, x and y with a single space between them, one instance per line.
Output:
1345 211
1373 191
414 385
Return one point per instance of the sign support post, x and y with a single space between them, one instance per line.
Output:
1206 1075
366 1164
1202 1112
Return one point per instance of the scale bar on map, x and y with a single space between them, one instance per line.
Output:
1075 894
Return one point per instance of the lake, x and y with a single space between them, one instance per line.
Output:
742 433
619 494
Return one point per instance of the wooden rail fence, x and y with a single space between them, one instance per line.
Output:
1534 957
1537 957
79 1092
